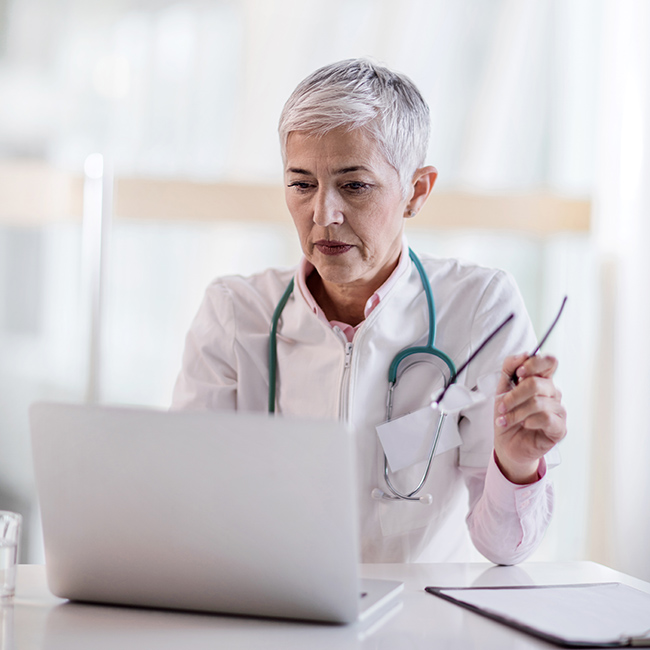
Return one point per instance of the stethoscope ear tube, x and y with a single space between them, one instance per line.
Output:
273 345
430 347
426 499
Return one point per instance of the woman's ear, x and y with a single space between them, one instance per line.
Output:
423 182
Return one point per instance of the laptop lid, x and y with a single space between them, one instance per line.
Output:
224 512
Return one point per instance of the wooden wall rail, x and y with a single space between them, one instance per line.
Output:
33 193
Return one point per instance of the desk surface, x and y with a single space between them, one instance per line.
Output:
39 621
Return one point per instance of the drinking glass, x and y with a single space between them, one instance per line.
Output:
10 523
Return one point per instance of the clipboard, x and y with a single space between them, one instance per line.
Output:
601 615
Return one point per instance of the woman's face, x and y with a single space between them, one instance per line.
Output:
347 205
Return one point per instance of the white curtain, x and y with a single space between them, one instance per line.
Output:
620 532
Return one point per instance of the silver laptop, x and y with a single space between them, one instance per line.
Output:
222 512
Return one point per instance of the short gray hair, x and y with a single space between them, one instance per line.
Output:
358 93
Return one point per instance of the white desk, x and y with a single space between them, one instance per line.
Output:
39 621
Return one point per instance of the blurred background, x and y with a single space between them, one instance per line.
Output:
139 159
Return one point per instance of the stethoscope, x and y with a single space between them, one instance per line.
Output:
393 493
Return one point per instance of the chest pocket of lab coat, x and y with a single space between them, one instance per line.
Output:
400 516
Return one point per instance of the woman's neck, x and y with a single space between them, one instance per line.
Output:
344 302
344 306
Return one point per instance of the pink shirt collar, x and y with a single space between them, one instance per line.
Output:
305 268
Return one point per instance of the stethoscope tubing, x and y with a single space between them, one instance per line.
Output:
429 348
273 344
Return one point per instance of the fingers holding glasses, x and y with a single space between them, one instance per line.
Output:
529 416
517 367
540 413
510 367
537 366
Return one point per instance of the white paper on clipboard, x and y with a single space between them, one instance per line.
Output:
596 615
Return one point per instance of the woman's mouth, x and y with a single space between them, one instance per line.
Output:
327 247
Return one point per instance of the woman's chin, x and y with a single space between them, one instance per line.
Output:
337 276
337 269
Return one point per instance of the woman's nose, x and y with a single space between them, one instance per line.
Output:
327 209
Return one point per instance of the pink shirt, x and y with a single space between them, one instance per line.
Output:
503 516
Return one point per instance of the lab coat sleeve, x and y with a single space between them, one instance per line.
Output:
506 521
208 376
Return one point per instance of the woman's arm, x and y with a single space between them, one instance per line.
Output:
208 376
507 521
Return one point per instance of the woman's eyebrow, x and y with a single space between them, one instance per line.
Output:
354 168
340 172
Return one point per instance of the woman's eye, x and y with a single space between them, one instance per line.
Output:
300 185
356 186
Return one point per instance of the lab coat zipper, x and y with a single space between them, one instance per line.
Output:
345 378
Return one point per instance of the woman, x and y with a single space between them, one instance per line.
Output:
354 136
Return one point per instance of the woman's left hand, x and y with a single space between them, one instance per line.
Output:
529 416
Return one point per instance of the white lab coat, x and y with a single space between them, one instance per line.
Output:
320 375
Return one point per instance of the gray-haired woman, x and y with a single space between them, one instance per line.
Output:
354 137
